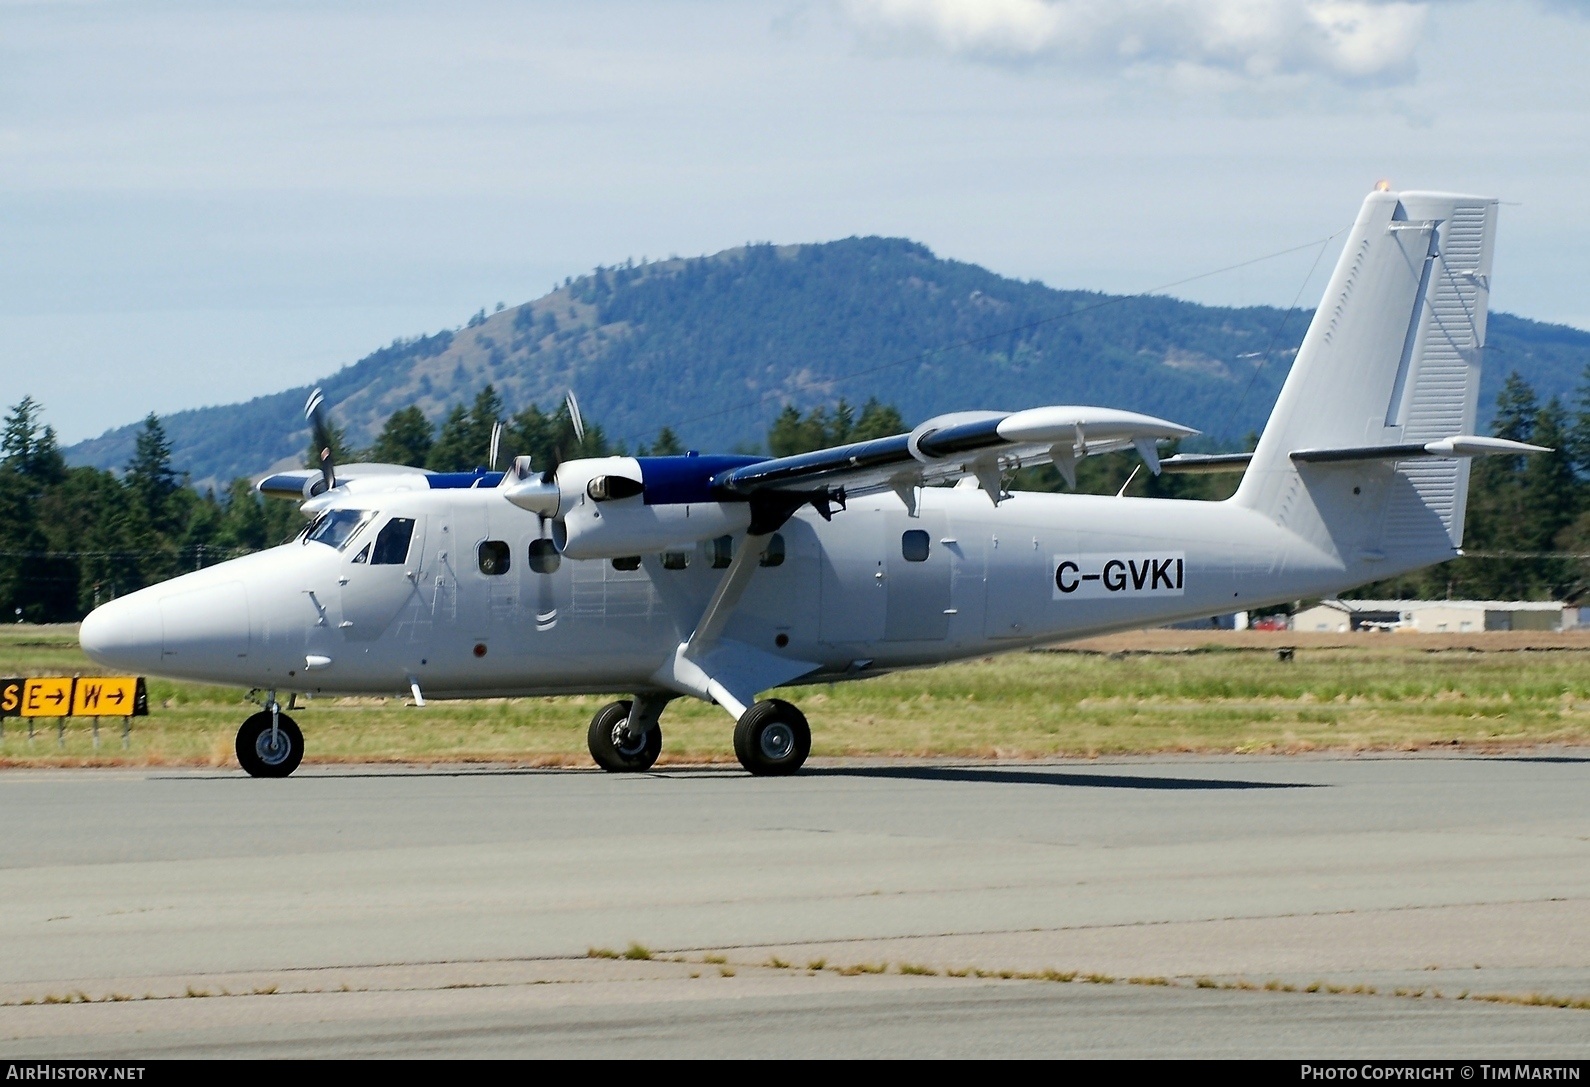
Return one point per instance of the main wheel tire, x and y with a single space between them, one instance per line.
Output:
611 746
772 738
267 755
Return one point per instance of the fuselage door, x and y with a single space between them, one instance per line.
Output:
381 577
1019 590
854 582
917 577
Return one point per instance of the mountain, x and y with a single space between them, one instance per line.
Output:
714 346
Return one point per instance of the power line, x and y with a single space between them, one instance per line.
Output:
202 550
768 398
1276 336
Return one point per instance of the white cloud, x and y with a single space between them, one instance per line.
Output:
1254 41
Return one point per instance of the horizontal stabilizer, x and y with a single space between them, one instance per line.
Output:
1462 445
1205 463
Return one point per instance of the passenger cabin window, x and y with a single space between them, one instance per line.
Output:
335 528
675 560
722 552
544 557
774 555
914 545
493 558
392 543
628 562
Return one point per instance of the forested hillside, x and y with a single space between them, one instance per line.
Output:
715 347
71 537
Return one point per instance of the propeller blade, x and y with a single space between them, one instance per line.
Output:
574 417
496 443
546 601
562 448
320 428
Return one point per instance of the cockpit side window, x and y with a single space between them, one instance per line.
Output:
335 528
392 543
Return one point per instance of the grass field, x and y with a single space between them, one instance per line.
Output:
1146 692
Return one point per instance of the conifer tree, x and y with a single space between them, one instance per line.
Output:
405 439
549 439
877 421
1579 436
243 525
29 448
666 445
452 451
150 479
1516 408
465 440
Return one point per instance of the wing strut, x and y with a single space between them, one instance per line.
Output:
723 670
728 593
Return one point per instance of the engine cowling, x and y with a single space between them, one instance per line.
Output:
598 509
627 526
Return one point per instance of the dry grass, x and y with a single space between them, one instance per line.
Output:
1152 691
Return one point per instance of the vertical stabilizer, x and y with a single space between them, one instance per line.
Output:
1391 358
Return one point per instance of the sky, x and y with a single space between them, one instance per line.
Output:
201 203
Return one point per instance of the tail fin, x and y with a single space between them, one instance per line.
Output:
1392 359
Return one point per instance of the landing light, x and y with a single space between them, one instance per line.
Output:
607 488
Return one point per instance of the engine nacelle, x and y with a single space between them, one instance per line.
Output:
627 526
599 510
528 490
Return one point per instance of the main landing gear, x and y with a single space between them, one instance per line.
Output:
771 739
269 744
624 746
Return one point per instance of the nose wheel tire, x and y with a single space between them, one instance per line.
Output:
613 748
772 738
269 753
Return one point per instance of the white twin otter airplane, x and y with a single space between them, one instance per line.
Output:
718 577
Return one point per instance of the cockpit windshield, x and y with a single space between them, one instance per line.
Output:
335 528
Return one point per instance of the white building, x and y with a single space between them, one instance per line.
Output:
1436 616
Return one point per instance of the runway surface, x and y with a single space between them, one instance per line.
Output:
1134 907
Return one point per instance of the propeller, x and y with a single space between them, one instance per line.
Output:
538 492
325 441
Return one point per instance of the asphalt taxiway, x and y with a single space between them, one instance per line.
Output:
1117 907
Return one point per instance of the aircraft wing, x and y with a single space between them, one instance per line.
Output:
979 444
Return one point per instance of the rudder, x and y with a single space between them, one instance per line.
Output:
1392 358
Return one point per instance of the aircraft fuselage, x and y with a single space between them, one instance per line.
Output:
874 589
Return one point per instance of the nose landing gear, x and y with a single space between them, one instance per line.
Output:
269 745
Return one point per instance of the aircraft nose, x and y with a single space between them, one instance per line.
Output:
123 633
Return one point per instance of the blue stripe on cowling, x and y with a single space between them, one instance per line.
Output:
446 481
672 480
